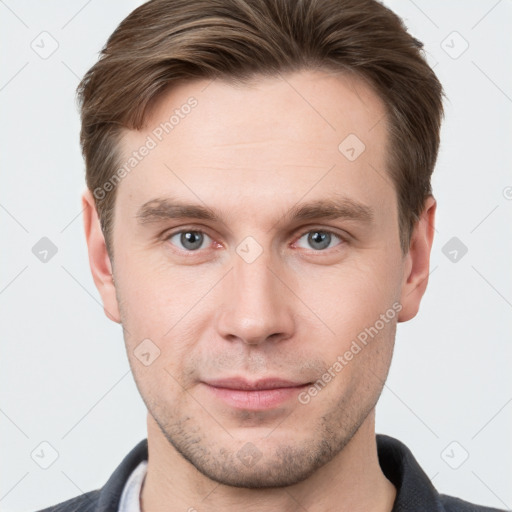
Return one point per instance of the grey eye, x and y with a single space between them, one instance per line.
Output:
189 240
318 239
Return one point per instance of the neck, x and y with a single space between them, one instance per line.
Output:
352 481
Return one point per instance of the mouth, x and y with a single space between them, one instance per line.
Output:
262 394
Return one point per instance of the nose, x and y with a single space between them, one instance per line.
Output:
257 303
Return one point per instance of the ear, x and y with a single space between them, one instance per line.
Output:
99 259
417 262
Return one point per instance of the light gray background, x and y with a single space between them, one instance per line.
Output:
65 374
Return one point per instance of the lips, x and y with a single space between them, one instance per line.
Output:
243 384
240 393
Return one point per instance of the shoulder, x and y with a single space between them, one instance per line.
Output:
107 498
86 502
452 504
415 490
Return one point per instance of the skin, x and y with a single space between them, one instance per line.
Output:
253 152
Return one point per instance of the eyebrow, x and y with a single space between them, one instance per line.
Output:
160 209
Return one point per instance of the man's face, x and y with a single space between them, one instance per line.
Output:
260 294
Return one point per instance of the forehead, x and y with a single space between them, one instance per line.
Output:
328 104
308 132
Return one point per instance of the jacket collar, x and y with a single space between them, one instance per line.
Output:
414 490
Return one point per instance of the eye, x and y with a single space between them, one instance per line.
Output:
320 239
190 240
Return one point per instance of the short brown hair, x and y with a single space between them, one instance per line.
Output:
164 41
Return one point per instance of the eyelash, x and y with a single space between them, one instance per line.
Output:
343 240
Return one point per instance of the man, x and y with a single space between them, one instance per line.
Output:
259 217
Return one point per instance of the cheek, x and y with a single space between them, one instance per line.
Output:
360 362
157 366
353 295
150 314
154 294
